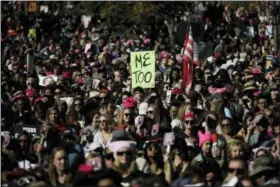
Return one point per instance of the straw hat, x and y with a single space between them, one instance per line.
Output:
250 85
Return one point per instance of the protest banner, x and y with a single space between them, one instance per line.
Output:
31 129
142 65
168 140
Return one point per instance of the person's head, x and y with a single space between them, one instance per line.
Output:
237 168
127 115
58 163
48 91
78 104
23 141
58 91
125 95
226 126
262 124
104 122
274 93
118 76
20 104
123 152
103 96
189 123
152 149
138 94
96 119
174 108
153 113
236 149
262 103
263 170
62 107
211 170
109 160
262 152
211 120
52 115
205 142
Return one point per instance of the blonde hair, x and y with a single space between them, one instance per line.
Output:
121 116
157 118
132 167
231 144
52 171
182 110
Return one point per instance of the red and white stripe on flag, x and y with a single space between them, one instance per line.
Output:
188 61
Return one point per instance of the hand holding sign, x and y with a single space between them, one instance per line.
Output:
143 69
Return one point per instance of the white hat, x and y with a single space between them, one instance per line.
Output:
52 57
143 107
93 146
210 59
176 123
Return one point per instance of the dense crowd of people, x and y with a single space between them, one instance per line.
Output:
70 117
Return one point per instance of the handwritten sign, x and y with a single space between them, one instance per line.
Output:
142 65
169 138
34 130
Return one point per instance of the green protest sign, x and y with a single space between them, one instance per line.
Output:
142 65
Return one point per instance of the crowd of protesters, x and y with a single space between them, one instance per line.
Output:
94 129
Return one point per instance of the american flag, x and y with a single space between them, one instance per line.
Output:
188 61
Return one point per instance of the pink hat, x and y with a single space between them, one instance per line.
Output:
189 115
66 75
146 41
164 54
117 145
30 93
204 137
129 102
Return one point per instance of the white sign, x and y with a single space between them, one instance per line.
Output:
29 130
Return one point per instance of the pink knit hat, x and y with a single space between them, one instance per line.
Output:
129 102
204 137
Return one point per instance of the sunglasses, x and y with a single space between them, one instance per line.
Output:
58 93
237 170
127 114
225 125
189 122
140 154
122 153
150 112
109 157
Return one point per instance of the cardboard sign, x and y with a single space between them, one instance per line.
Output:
44 80
142 65
269 30
168 96
32 6
34 130
169 139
